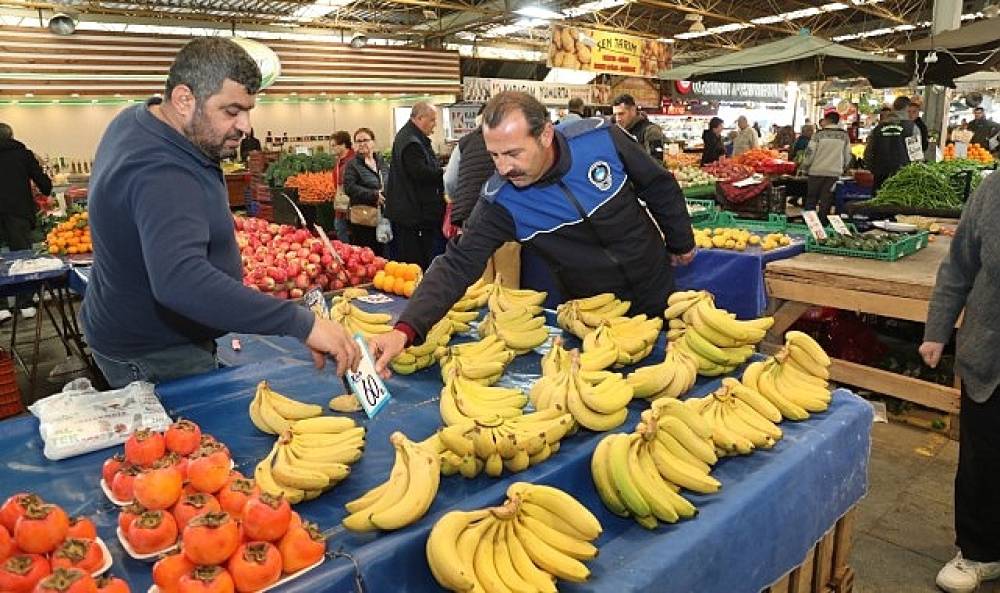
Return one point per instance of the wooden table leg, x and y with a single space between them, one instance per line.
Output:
785 316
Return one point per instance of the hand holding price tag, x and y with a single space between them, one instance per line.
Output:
365 383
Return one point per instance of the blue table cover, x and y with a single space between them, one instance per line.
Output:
79 278
774 505
736 278
12 285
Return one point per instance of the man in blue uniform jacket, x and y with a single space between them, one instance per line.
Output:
586 197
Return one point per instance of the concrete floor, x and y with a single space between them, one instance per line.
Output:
904 530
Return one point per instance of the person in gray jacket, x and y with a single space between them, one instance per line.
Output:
827 157
969 279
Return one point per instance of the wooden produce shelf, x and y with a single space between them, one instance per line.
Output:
826 568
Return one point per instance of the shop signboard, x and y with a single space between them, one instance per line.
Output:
579 48
730 91
481 90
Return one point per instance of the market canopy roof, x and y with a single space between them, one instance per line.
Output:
959 52
795 58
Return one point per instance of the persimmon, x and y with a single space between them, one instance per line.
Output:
167 571
124 482
210 538
209 470
67 580
152 531
15 506
110 584
207 579
41 529
234 496
21 572
6 544
81 527
266 517
301 547
158 488
111 466
183 437
75 552
144 447
192 505
255 565
126 515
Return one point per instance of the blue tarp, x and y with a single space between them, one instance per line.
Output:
773 507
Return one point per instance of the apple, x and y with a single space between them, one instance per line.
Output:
294 267
314 258
370 270
266 284
302 252
277 273
338 284
296 293
355 280
302 281
367 256
273 228
302 235
323 280
311 269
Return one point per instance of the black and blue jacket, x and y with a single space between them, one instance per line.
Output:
596 219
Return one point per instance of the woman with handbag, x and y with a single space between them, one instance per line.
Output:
363 185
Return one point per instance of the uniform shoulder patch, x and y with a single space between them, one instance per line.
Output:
599 174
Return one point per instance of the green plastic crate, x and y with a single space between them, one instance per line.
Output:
707 216
699 191
775 223
906 245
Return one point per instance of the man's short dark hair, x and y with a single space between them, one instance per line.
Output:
833 117
343 138
507 102
714 123
979 109
625 99
205 63
6 132
901 103
576 104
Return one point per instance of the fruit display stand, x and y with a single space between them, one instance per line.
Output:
899 290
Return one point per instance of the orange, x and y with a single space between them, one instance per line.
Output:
399 285
53 249
379 280
390 268
408 288
408 273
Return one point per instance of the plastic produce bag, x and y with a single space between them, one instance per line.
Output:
383 231
81 419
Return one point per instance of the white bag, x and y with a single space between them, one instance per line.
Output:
80 419
383 230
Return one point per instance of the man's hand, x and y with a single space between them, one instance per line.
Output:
931 353
385 347
329 338
683 259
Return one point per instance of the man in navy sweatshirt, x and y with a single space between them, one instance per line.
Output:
167 273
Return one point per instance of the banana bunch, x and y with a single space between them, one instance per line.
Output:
460 320
719 342
483 361
357 320
493 444
597 400
739 418
582 316
795 380
312 457
475 296
630 338
687 439
521 329
671 378
502 299
405 496
538 535
462 399
416 358
630 483
558 359
274 413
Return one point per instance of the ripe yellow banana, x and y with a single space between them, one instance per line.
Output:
263 478
806 360
559 502
651 488
424 473
504 565
526 569
286 406
548 558
809 345
324 425
393 494
443 553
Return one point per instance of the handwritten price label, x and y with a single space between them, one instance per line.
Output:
814 225
365 383
838 225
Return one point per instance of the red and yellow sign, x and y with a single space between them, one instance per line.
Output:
578 48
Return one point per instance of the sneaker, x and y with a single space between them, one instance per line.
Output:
28 313
5 315
964 576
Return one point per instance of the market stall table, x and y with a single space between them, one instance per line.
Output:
787 497
899 290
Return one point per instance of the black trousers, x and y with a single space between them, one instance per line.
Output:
364 236
977 484
17 235
416 246
819 190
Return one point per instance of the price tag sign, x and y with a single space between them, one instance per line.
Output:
365 383
961 150
377 298
838 225
815 227
914 149
316 302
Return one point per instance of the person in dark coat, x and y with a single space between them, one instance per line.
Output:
475 168
363 185
18 168
249 144
885 152
913 112
415 192
712 137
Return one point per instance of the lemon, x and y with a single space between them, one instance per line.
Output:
741 245
730 244
754 240
785 240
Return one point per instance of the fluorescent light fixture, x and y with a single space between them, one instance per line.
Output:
667 40
833 6
540 12
728 27
317 9
788 16
595 6
29 95
767 20
467 50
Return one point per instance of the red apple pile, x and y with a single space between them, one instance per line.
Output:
286 262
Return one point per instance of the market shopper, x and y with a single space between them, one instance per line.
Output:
363 176
886 150
414 192
574 111
827 158
798 148
983 128
166 280
913 114
712 138
634 121
18 169
746 137
571 194
967 281
474 169
250 143
343 151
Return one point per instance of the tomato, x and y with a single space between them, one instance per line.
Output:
255 565
207 579
81 527
266 517
41 529
233 497
183 437
144 447
15 506
211 538
20 573
124 482
111 467
127 514
152 531
208 471
67 580
74 552
301 547
192 505
109 584
158 488
167 571
6 544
